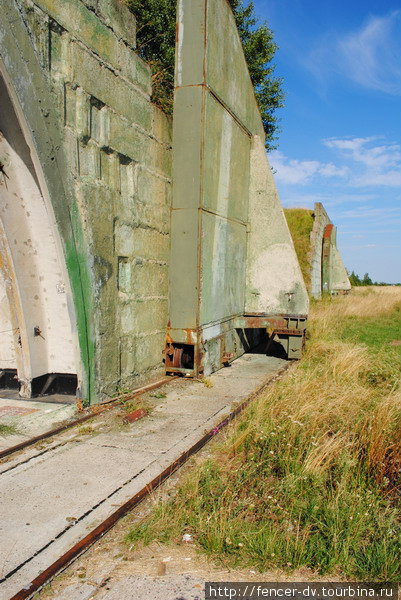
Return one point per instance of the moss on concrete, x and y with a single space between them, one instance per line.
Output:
300 223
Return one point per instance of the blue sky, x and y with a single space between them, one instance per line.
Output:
341 125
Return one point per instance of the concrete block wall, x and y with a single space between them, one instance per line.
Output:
321 219
118 148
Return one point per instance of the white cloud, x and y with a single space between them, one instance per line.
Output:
389 178
358 235
294 197
362 162
368 56
293 171
330 170
379 215
371 55
378 156
379 164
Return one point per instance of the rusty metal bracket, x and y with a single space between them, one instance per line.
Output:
179 358
288 331
187 354
173 356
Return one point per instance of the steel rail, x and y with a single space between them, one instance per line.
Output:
85 543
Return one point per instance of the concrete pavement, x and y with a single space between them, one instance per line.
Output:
32 417
52 496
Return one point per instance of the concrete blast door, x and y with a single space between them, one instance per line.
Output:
37 335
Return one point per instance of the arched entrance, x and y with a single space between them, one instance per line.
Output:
36 314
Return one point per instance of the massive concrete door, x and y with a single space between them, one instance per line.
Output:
36 321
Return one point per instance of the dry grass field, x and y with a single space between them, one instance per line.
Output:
310 475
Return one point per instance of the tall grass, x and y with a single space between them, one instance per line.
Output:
311 473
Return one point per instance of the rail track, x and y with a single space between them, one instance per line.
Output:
85 542
90 413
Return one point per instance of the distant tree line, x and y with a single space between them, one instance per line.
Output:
355 280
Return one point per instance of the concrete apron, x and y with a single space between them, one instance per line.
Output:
50 499
32 417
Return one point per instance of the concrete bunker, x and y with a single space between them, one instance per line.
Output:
315 239
334 275
233 269
90 159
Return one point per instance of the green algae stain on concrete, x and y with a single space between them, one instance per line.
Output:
82 291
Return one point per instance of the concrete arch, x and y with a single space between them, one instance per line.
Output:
35 176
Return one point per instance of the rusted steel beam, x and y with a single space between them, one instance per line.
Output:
275 323
288 331
191 352
275 315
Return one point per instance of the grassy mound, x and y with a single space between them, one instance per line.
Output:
300 223
310 475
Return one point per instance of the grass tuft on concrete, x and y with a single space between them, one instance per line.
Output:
8 430
300 223
310 475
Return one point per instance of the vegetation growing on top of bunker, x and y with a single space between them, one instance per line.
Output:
156 32
300 223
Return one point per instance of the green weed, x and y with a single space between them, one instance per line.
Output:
8 430
133 405
86 430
